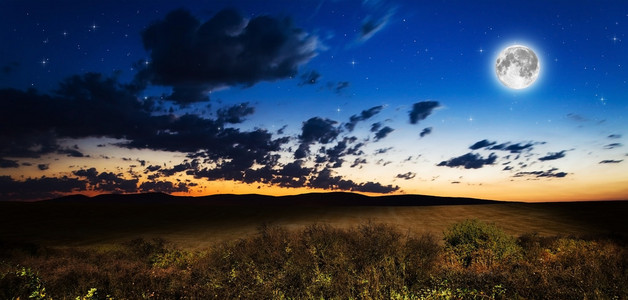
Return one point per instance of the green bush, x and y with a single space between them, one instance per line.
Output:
476 242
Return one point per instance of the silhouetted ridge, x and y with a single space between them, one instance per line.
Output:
309 199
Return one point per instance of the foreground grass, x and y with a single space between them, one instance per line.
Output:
371 261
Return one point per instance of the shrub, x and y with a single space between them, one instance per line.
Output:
476 242
21 283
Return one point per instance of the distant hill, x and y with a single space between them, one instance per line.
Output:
309 199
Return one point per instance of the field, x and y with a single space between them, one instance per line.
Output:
215 249
201 224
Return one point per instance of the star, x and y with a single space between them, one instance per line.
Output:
353 63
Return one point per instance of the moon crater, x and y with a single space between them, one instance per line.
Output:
517 67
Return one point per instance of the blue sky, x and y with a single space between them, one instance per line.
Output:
304 71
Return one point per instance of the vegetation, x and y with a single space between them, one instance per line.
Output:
372 261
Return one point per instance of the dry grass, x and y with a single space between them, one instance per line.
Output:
198 226
368 261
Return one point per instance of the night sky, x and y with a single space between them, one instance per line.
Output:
287 97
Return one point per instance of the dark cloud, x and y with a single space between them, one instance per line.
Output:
383 150
576 117
614 136
379 14
43 167
613 145
469 161
234 114
163 187
319 130
421 110
515 148
376 126
316 130
482 144
325 180
382 133
406 176
184 166
611 161
39 188
425 131
7 163
358 162
335 154
309 78
370 27
293 174
340 86
539 174
71 152
227 50
107 181
153 168
553 156
364 115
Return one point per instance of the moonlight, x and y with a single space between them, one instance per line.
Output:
517 67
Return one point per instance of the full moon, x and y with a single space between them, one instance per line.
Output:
517 67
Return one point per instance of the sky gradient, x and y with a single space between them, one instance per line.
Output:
286 97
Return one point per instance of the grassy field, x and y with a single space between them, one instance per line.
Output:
194 250
199 225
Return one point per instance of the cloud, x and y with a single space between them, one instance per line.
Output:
469 161
316 130
71 152
614 136
325 180
376 126
382 150
425 131
371 26
382 133
482 144
43 167
610 161
184 166
194 57
162 187
613 145
340 86
515 148
358 161
539 174
152 168
406 176
319 130
39 188
107 181
421 110
364 115
576 117
553 156
379 17
7 163
234 114
309 78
